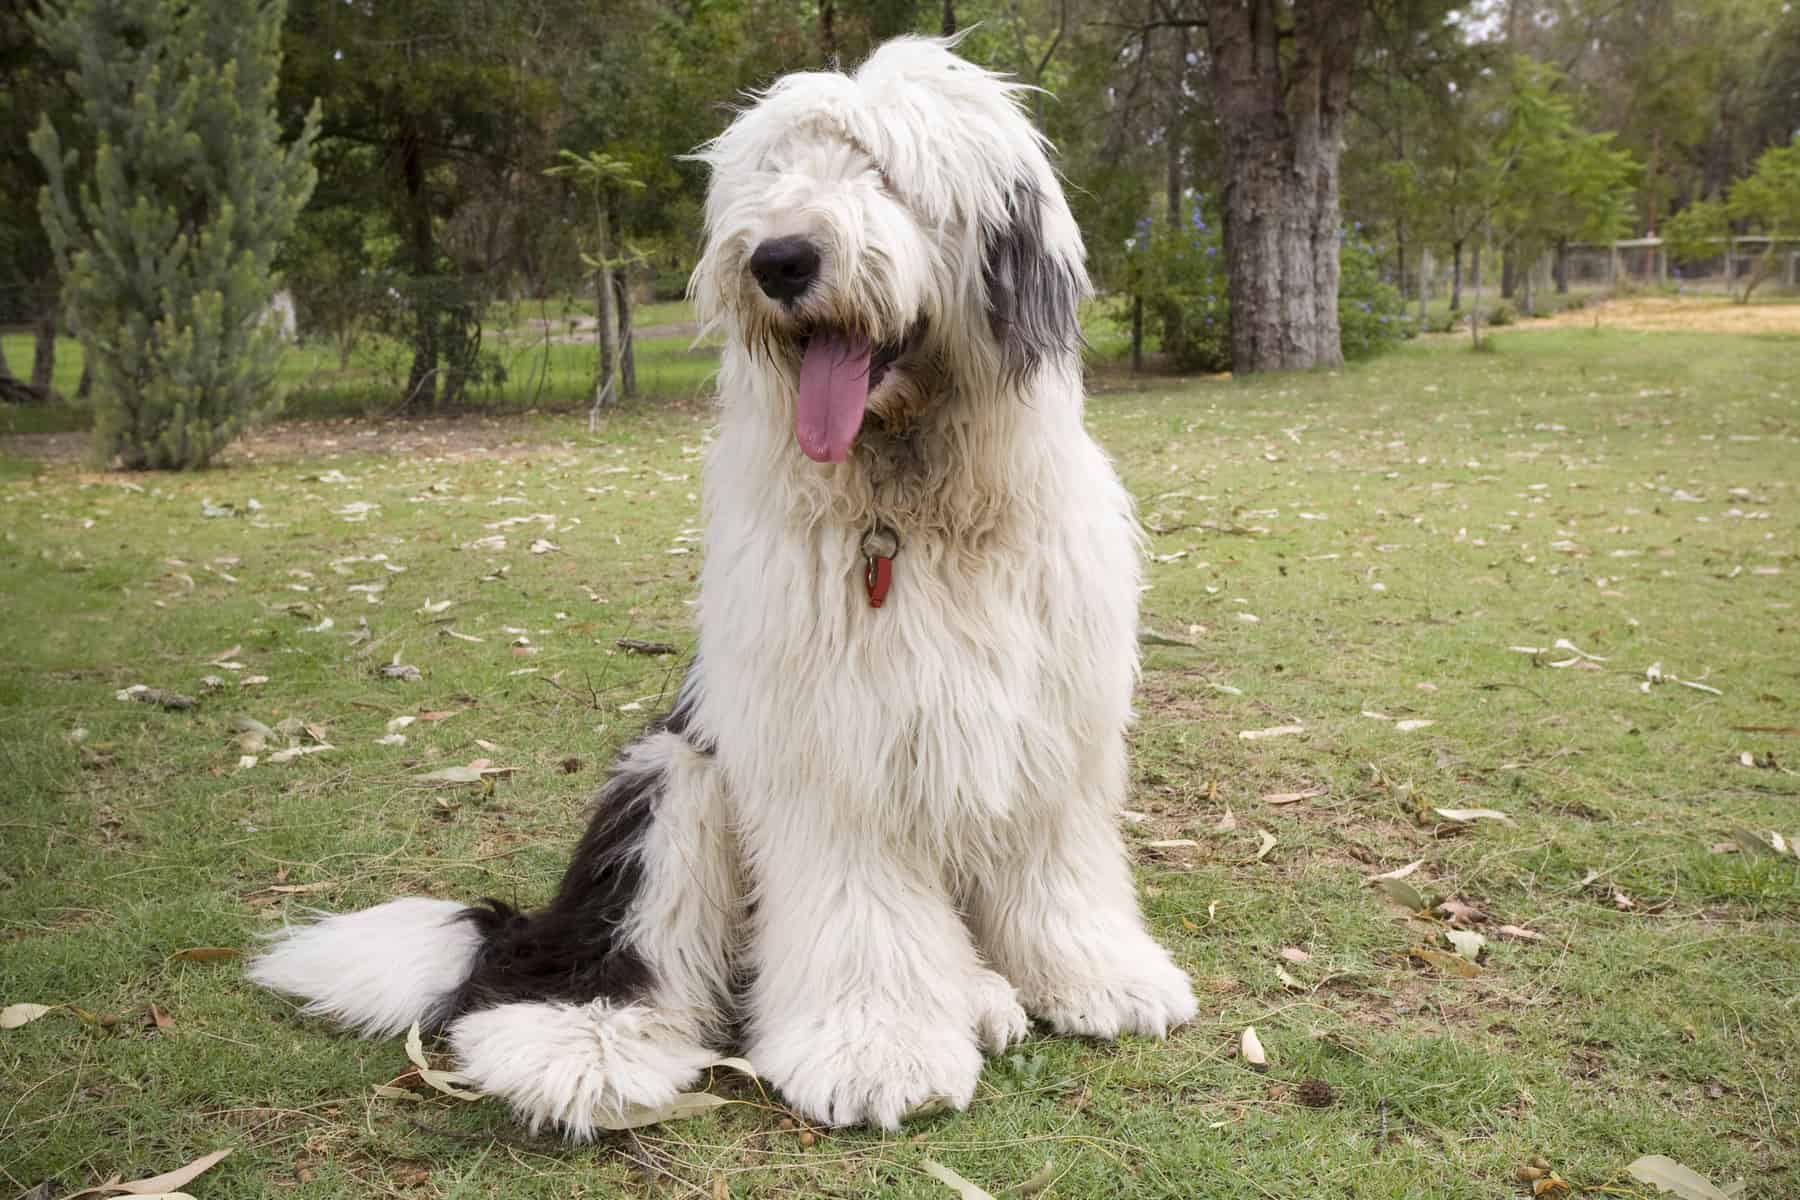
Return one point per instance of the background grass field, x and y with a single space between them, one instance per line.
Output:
1352 553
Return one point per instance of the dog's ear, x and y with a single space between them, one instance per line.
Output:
1032 294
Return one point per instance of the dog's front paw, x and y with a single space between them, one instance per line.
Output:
869 1068
1138 990
1000 1019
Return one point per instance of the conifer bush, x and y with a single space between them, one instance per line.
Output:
164 235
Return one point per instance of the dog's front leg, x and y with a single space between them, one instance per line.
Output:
1060 919
869 1000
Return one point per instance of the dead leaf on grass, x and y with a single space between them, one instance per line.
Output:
1468 943
15 1015
1398 872
950 1179
1279 798
1459 913
1455 964
1268 844
162 698
1467 815
1519 933
1226 824
1250 1048
1670 1176
205 954
448 1082
1252 735
1295 954
165 1185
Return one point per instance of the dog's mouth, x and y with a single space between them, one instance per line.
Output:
839 368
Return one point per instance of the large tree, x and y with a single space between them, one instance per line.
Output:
1281 89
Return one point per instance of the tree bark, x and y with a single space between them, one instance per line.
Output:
43 357
948 28
1282 130
1509 273
627 350
421 380
828 48
1455 276
1137 334
1561 269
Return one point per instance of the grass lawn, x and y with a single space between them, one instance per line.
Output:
1356 557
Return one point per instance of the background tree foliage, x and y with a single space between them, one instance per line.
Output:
1487 127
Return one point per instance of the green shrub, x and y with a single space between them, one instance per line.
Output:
164 240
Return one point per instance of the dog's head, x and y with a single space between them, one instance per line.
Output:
870 235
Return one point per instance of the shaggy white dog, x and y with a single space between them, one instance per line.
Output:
877 833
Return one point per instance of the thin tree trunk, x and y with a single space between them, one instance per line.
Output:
1172 126
627 350
828 47
606 330
421 380
1137 334
1475 264
85 388
1455 276
1509 273
1561 269
1282 133
948 28
1475 313
1530 274
1400 276
43 358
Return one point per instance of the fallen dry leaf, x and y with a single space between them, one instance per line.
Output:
1398 872
15 1015
1293 797
1250 1047
1464 815
205 954
950 1179
164 1185
1251 735
1670 1176
1268 844
1402 893
1456 964
1468 943
1519 933
1459 913
1295 954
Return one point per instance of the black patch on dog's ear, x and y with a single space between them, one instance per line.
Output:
1032 295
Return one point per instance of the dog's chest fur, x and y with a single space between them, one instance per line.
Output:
999 662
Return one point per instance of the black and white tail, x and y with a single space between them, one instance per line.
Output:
610 998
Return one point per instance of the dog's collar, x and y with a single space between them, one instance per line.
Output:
879 546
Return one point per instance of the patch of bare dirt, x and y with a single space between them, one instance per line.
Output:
1667 314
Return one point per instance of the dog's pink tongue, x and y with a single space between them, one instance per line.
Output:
834 389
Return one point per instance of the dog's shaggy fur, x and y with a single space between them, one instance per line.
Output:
868 842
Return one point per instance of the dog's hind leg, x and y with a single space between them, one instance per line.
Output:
613 997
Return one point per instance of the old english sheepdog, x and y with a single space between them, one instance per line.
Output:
877 834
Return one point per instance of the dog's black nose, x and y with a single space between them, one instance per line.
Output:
785 267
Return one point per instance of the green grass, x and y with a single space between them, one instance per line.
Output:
1395 528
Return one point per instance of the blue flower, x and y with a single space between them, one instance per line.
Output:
1211 250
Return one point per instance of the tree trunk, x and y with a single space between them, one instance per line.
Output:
1137 334
1475 264
1282 131
1455 276
43 358
828 49
1561 269
627 350
1525 301
1509 272
1172 125
948 28
85 387
1400 277
606 331
421 380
